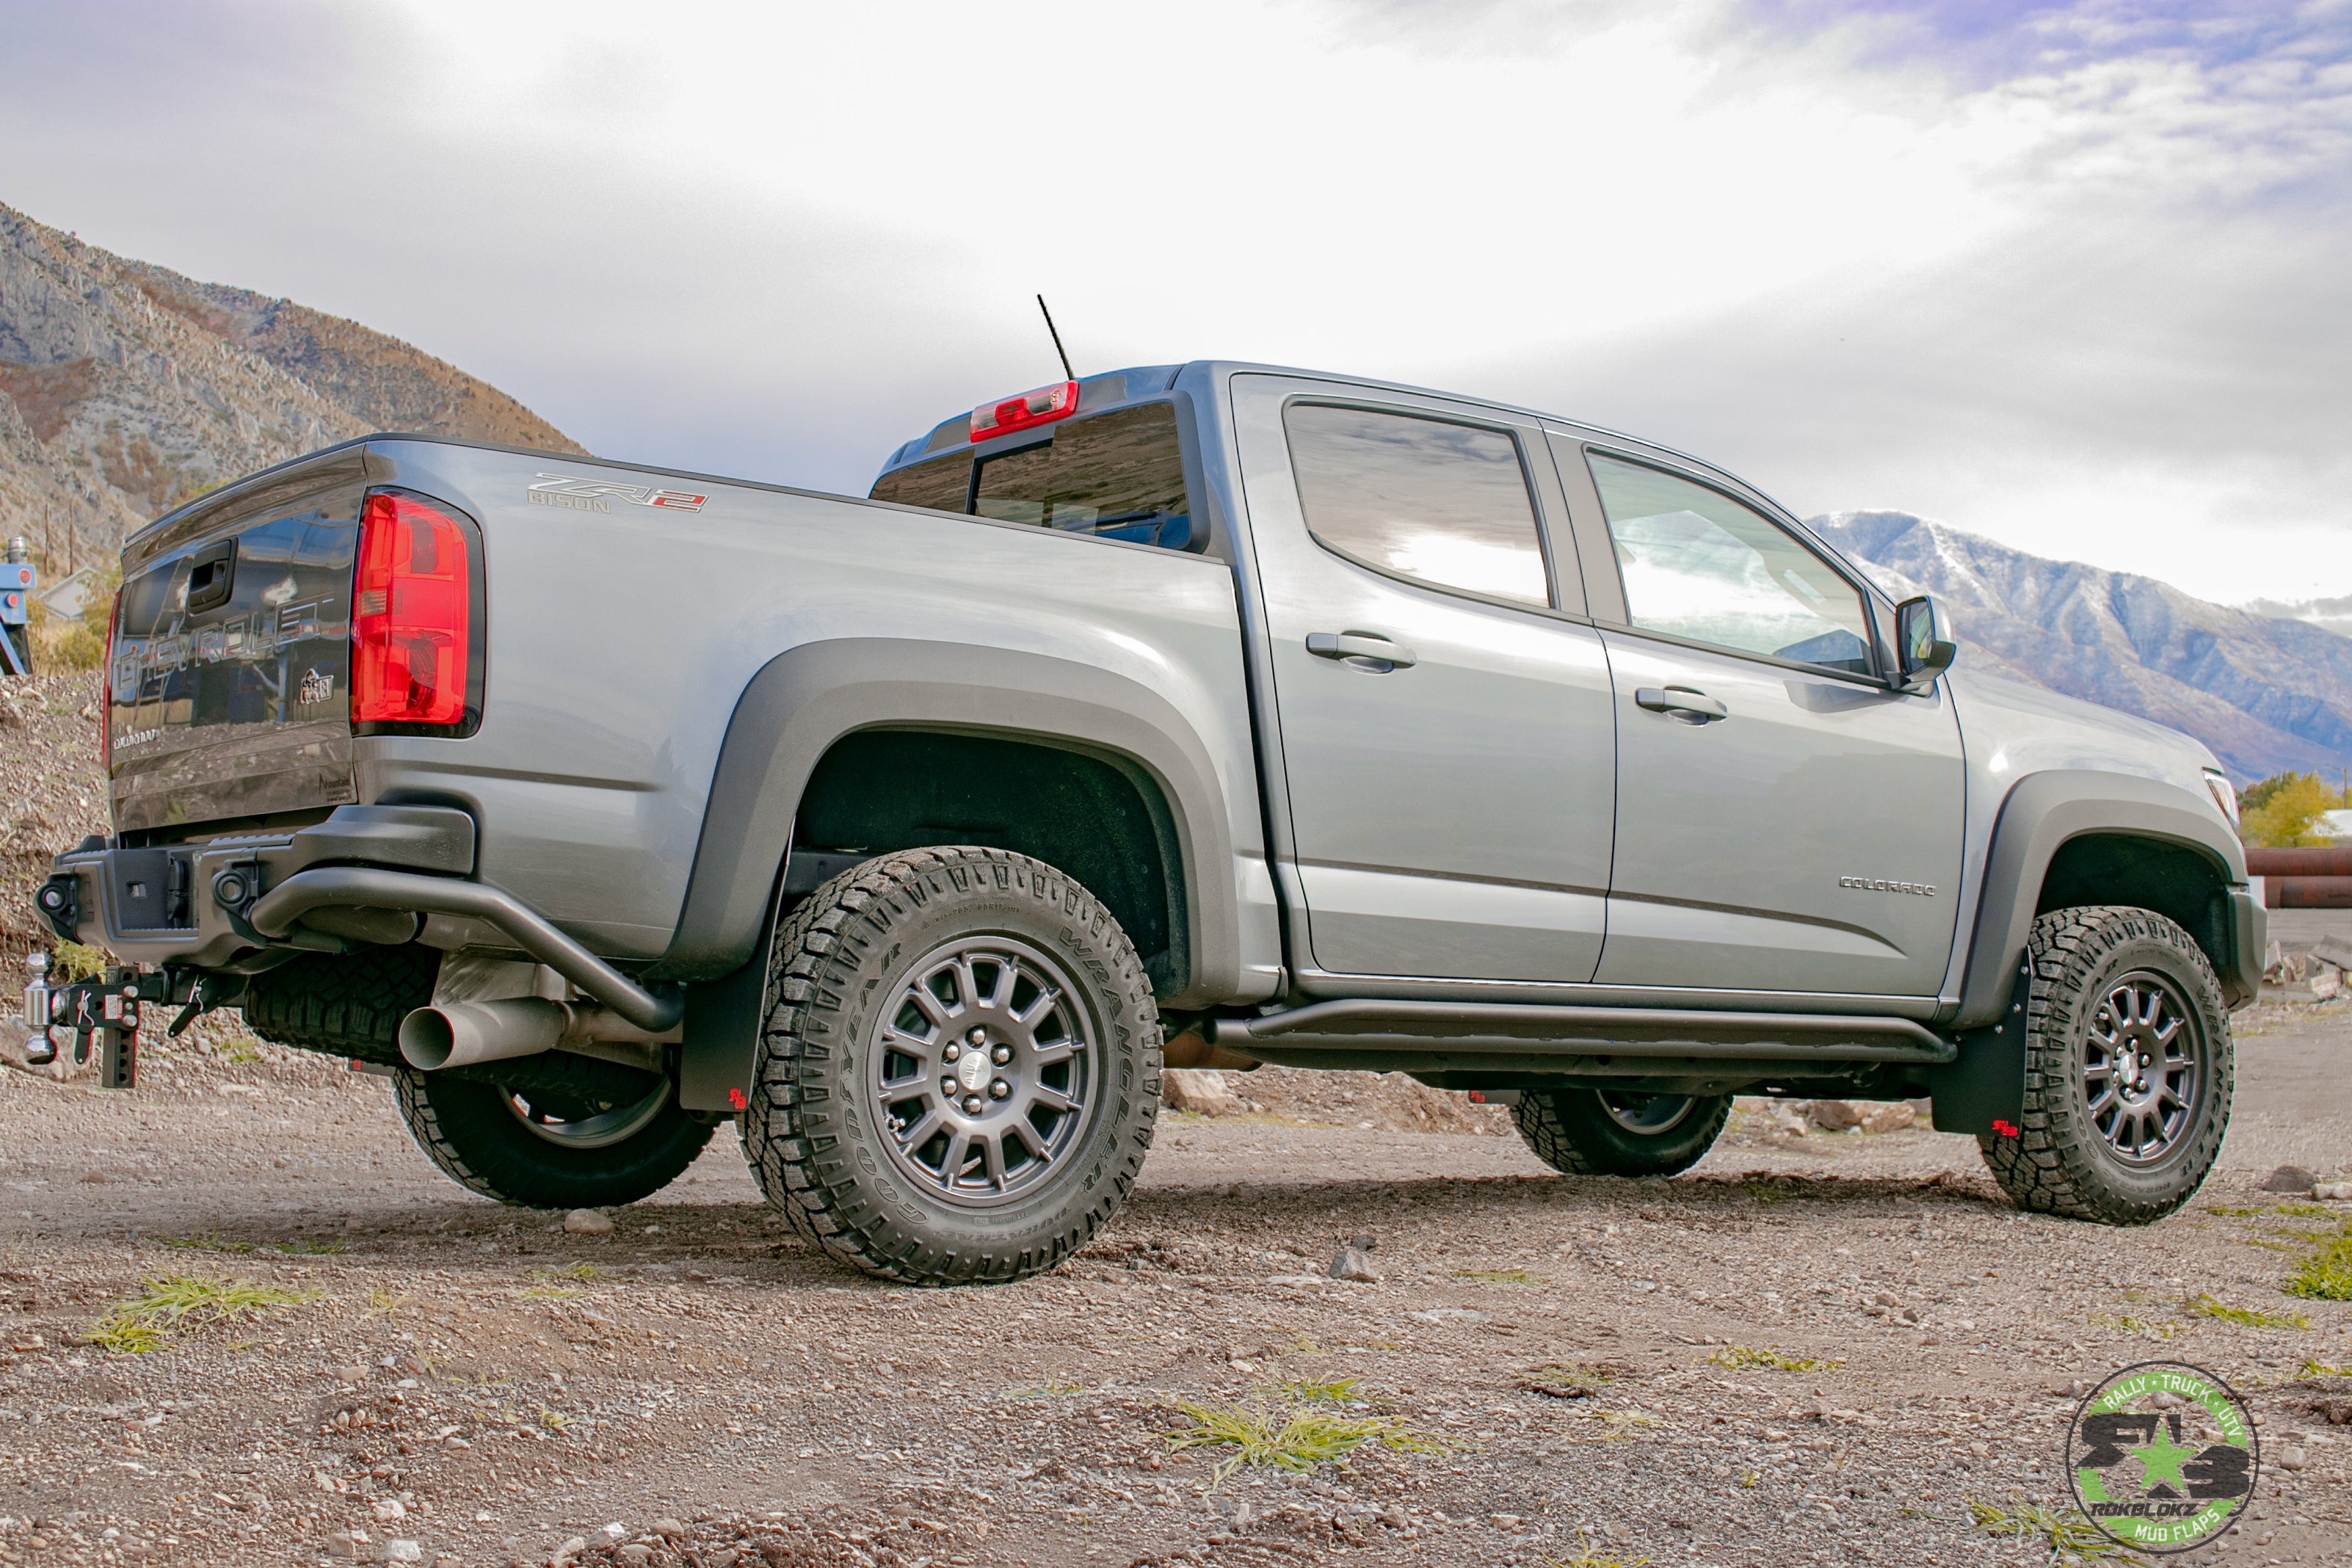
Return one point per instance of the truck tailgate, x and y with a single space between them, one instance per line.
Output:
227 687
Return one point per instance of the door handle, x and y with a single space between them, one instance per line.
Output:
1359 644
1681 701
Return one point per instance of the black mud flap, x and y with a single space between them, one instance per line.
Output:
1982 1091
723 1017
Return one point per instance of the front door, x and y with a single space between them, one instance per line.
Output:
1786 822
1445 730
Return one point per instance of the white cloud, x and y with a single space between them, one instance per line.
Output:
2072 281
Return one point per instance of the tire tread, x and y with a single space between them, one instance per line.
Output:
2050 1166
1551 1134
812 968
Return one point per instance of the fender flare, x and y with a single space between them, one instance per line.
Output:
2039 816
805 699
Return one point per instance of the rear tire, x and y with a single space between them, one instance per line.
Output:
470 1121
1610 1133
2129 1070
587 1149
877 1124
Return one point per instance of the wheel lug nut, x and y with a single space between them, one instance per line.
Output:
1000 1089
1001 1055
952 1053
979 1037
971 1105
948 1086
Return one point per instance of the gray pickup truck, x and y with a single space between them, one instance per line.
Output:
1211 714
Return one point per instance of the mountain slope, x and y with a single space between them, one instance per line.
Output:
2332 615
126 388
2264 693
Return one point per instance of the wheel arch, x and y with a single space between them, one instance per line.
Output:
2068 837
804 704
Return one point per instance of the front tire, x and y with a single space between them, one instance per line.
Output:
2129 1070
960 1072
1613 1133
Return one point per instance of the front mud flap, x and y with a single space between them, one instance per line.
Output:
1982 1089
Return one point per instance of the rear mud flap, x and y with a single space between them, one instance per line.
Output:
722 1037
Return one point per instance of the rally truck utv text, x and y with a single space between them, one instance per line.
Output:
1209 714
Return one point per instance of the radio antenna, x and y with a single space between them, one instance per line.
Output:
1068 374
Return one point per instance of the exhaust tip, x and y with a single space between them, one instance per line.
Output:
426 1039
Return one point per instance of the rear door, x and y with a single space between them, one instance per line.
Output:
1445 713
228 689
1786 822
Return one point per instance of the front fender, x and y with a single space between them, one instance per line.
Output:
2040 812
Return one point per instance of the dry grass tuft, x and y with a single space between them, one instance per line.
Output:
2326 1274
2071 1538
1586 1557
1500 1277
2245 1318
168 1302
1289 1434
1746 1358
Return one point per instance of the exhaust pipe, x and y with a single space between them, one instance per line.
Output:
461 1034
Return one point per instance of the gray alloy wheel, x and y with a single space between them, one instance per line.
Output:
2143 1068
983 1075
959 1070
2129 1067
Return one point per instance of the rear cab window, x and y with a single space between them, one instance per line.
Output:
1118 474
1438 502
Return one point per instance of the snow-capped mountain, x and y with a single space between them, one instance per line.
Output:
2267 692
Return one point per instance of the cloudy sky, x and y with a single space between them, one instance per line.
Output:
2077 276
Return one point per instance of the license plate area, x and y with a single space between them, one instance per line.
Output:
151 889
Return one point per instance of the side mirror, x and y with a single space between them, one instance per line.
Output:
1923 642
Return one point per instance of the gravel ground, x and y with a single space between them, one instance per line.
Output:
482 1384
1560 1362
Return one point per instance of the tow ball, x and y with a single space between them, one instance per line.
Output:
101 1014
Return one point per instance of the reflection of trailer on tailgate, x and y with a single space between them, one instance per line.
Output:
17 581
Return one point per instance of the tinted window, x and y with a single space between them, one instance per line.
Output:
1698 564
942 484
1120 473
1423 498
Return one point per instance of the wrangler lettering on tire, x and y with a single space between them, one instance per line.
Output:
960 1071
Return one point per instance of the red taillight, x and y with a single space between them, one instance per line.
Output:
412 615
1042 406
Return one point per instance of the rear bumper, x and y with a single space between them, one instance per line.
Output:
202 906
185 905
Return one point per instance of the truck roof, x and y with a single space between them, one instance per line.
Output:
1138 384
